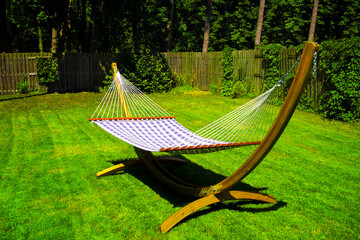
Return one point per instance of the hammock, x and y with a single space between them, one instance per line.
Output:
133 117
130 115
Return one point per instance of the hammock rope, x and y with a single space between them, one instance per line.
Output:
132 116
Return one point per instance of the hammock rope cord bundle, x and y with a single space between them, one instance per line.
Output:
133 117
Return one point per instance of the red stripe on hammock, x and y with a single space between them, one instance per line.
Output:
130 118
209 146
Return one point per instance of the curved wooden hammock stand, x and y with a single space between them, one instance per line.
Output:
220 192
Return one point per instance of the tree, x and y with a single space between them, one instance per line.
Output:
260 22
290 28
82 7
41 44
3 27
233 24
64 19
171 17
60 24
313 21
207 26
54 40
125 26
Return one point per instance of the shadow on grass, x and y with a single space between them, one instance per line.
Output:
195 174
20 96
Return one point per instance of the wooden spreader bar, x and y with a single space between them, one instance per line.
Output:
209 146
129 118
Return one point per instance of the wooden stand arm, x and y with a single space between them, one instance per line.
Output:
211 199
293 97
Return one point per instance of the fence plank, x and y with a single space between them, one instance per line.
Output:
2 75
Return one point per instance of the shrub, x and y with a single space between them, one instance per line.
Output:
228 68
23 86
214 88
241 87
238 90
271 56
47 70
149 72
180 81
339 65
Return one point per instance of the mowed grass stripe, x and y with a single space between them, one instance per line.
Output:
83 194
107 195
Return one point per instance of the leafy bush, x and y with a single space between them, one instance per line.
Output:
109 78
238 90
339 66
180 81
228 69
47 70
271 56
214 88
23 86
149 72
242 86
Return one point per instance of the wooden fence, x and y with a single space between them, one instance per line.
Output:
204 70
77 72
17 67
86 72
83 71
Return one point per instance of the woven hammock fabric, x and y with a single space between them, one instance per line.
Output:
160 134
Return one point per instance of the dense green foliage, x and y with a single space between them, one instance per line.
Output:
271 56
228 72
238 90
242 86
23 86
115 26
47 70
340 70
273 75
50 153
149 72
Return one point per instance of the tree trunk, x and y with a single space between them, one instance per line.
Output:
65 27
260 23
207 26
54 40
82 30
3 27
91 32
41 48
313 21
171 16
134 29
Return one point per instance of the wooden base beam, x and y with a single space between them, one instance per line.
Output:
211 199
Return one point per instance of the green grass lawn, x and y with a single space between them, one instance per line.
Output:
49 154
